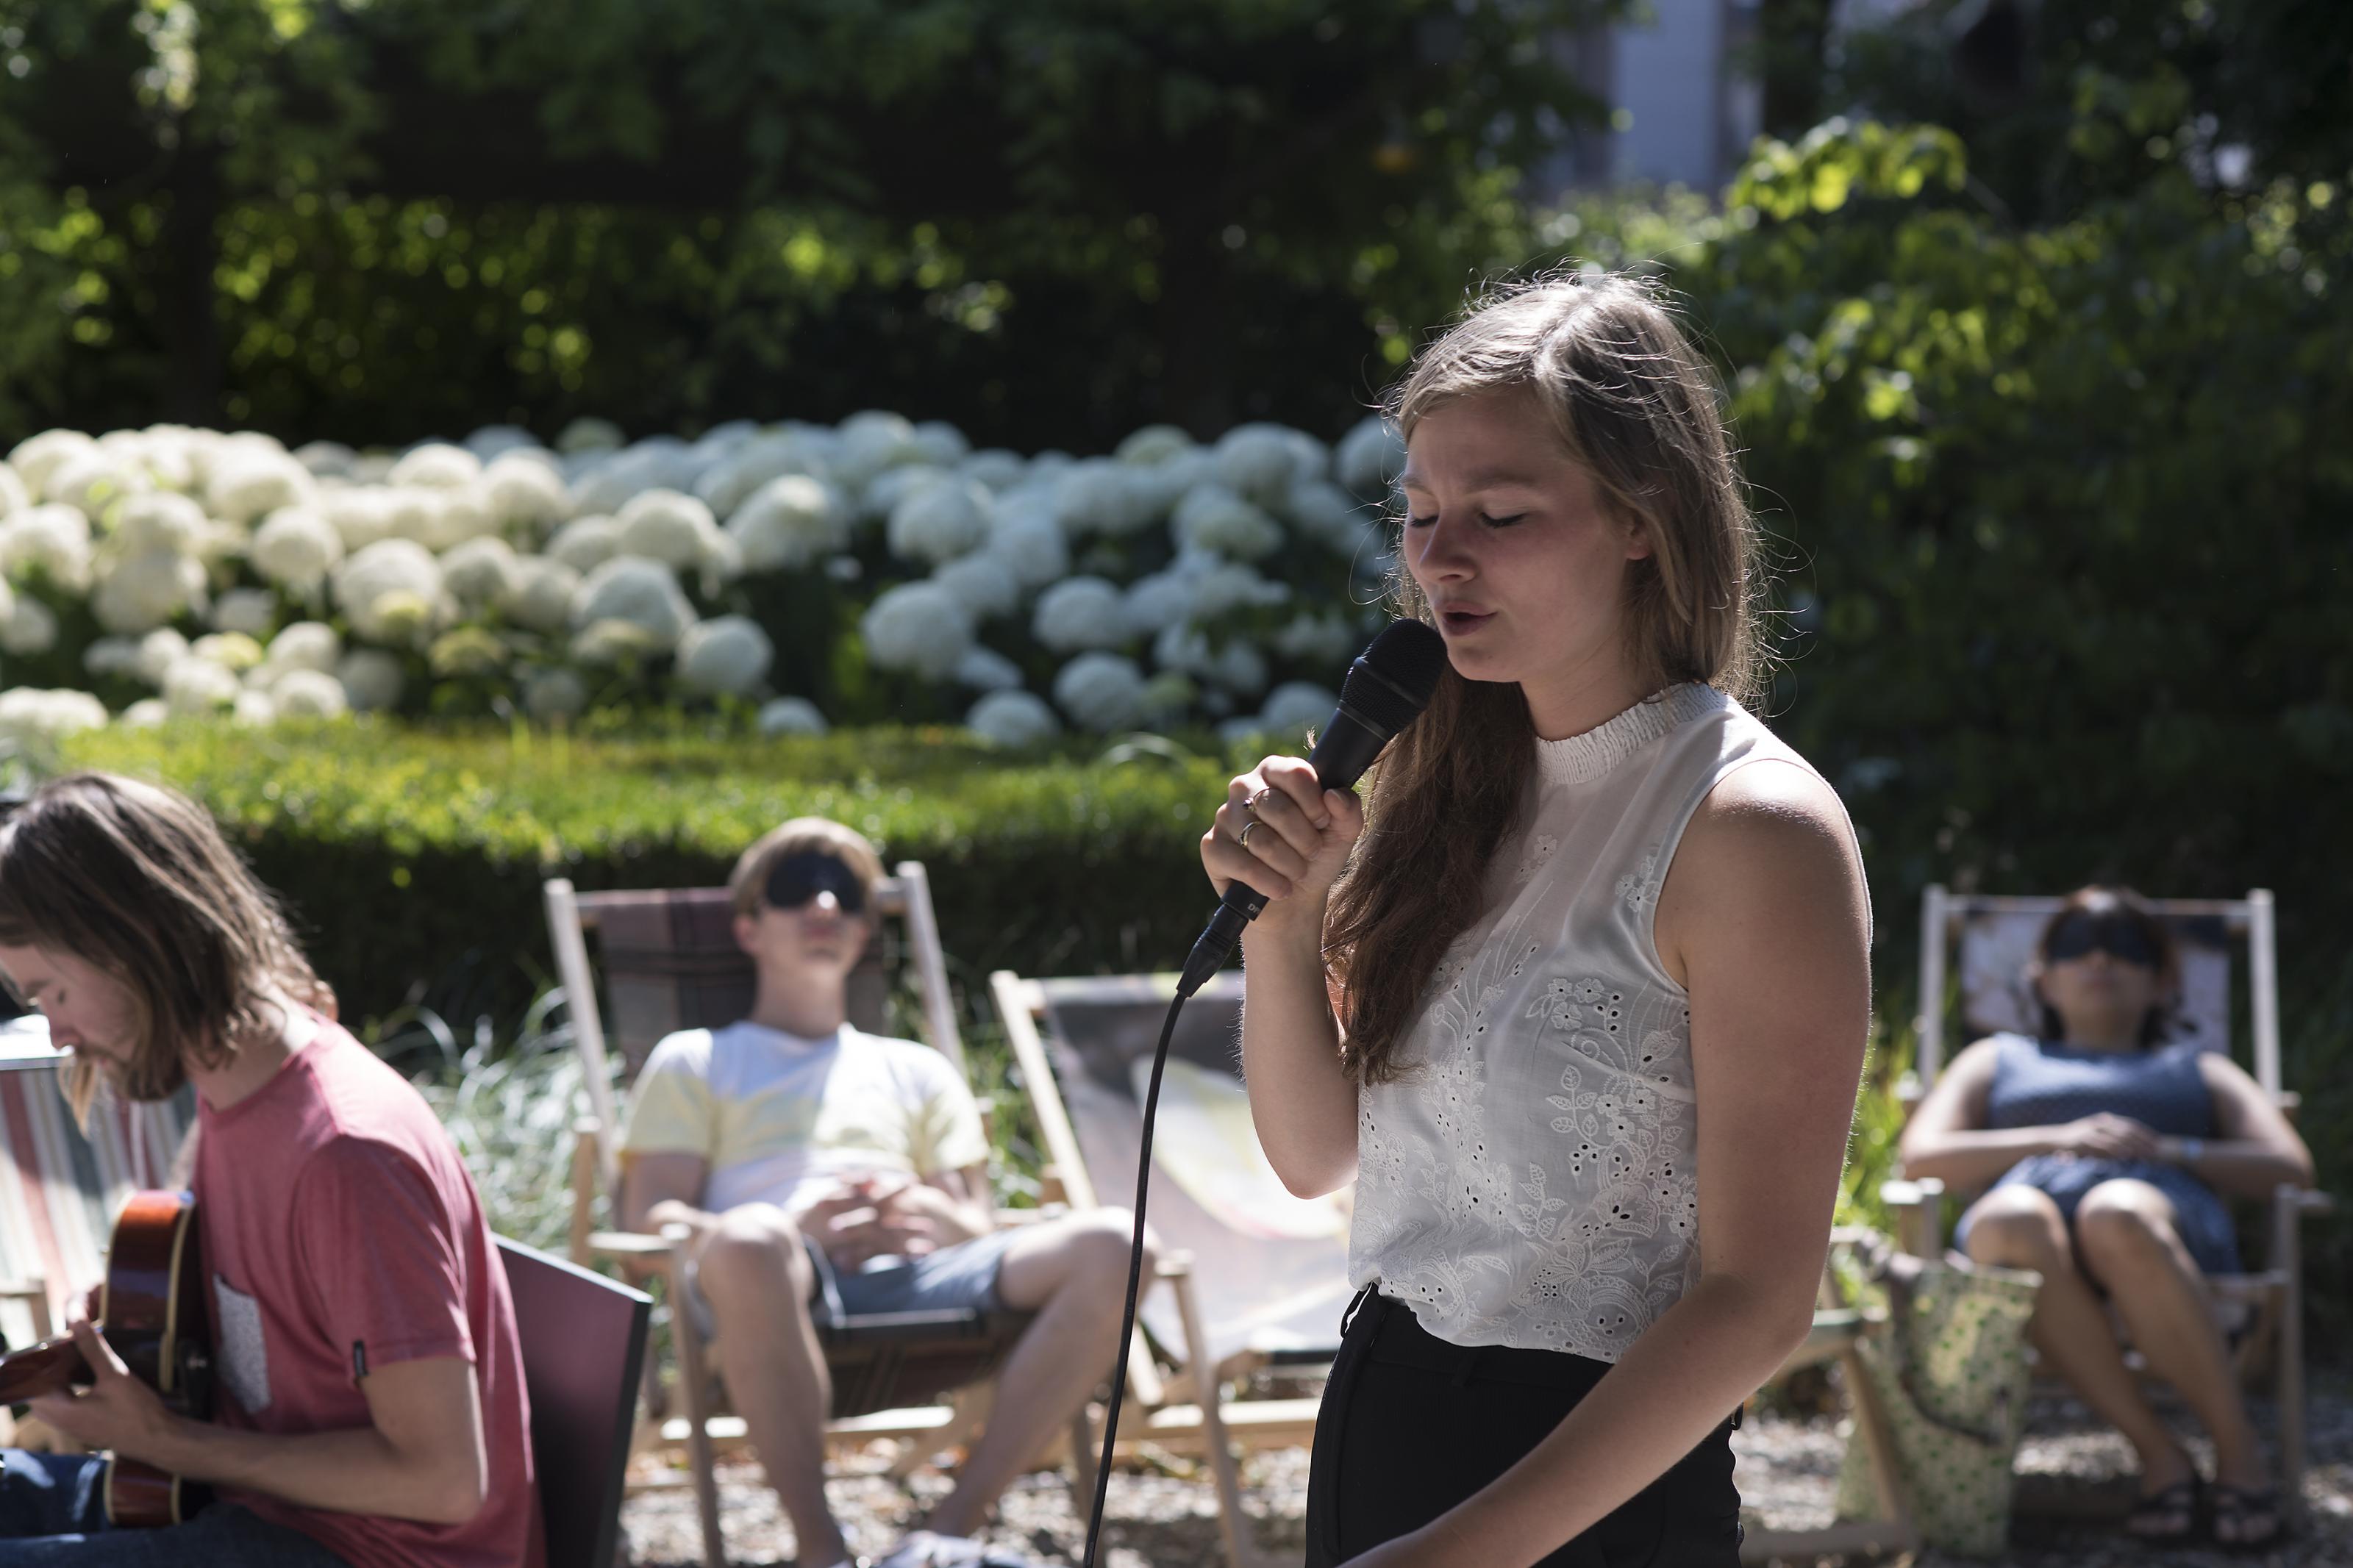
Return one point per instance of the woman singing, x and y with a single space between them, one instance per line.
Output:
1599 967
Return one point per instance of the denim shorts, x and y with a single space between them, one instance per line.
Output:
952 1278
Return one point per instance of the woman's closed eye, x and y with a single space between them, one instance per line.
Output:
1411 522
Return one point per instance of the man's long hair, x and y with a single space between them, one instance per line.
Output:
1631 401
135 880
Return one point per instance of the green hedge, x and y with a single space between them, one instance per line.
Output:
414 859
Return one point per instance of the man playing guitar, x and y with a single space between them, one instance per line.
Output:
369 1407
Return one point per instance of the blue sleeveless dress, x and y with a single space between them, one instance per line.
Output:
2040 1083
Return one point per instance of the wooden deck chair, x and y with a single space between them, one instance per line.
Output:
669 962
61 1184
1260 1276
2262 1312
583 1345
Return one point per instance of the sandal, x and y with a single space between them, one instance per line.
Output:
2167 1515
2239 1505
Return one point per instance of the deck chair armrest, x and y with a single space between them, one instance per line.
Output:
23 1293
2310 1202
628 1244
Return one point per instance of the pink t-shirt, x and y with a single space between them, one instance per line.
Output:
342 1234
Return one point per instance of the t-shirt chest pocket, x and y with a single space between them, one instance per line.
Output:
242 1349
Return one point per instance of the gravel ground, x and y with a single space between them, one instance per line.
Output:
1166 1516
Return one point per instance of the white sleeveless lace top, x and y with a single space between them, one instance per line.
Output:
1528 1180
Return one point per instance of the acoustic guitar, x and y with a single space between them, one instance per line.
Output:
152 1311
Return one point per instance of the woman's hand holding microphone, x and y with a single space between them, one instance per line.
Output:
1282 832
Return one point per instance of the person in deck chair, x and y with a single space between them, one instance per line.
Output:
790 1142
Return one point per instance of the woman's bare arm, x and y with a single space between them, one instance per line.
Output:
1948 1140
2258 1149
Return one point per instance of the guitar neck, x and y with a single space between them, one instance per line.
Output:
45 1368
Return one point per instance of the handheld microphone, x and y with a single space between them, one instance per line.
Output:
1386 689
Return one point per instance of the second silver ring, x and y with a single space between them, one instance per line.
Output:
1242 837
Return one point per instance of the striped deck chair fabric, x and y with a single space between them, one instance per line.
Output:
61 1185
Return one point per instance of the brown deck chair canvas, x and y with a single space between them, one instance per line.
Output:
670 962
2261 1311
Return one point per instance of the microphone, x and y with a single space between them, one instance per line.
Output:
1386 689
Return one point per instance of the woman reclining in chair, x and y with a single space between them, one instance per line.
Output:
2111 1146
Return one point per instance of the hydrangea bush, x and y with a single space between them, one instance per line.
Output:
880 568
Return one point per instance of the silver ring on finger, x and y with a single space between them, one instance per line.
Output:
1251 804
1242 837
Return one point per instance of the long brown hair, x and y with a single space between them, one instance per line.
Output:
135 880
1635 404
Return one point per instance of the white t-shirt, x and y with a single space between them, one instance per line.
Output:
784 1120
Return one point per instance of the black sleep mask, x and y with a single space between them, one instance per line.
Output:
797 878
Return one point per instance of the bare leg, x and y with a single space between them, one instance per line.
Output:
2131 1242
757 1279
1073 1273
2019 1228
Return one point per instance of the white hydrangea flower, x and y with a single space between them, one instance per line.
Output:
607 643
1234 665
493 441
788 523
480 571
94 480
551 694
112 656
1297 705
14 494
639 591
1160 599
247 610
1101 691
310 694
1258 462
1154 444
657 464
589 434
167 452
941 442
986 669
540 596
360 516
230 650
727 656
371 679
938 522
158 651
1026 538
146 714
141 591
34 717
52 539
791 716
1226 585
414 513
247 481
437 466
161 518
296 547
918 626
881 494
307 645
524 494
585 543
36 457
1082 612
1160 486
1322 510
31 627
1319 638
391 593
1104 495
664 526
1369 460
994 467
252 709
729 483
873 441
1013 719
326 459
1214 519
984 584
464 513
194 686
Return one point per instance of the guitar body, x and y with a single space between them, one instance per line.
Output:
152 1311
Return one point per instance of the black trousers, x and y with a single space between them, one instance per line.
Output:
1411 1425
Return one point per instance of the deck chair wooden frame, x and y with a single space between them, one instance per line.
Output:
871 1359
2268 1304
1187 1413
